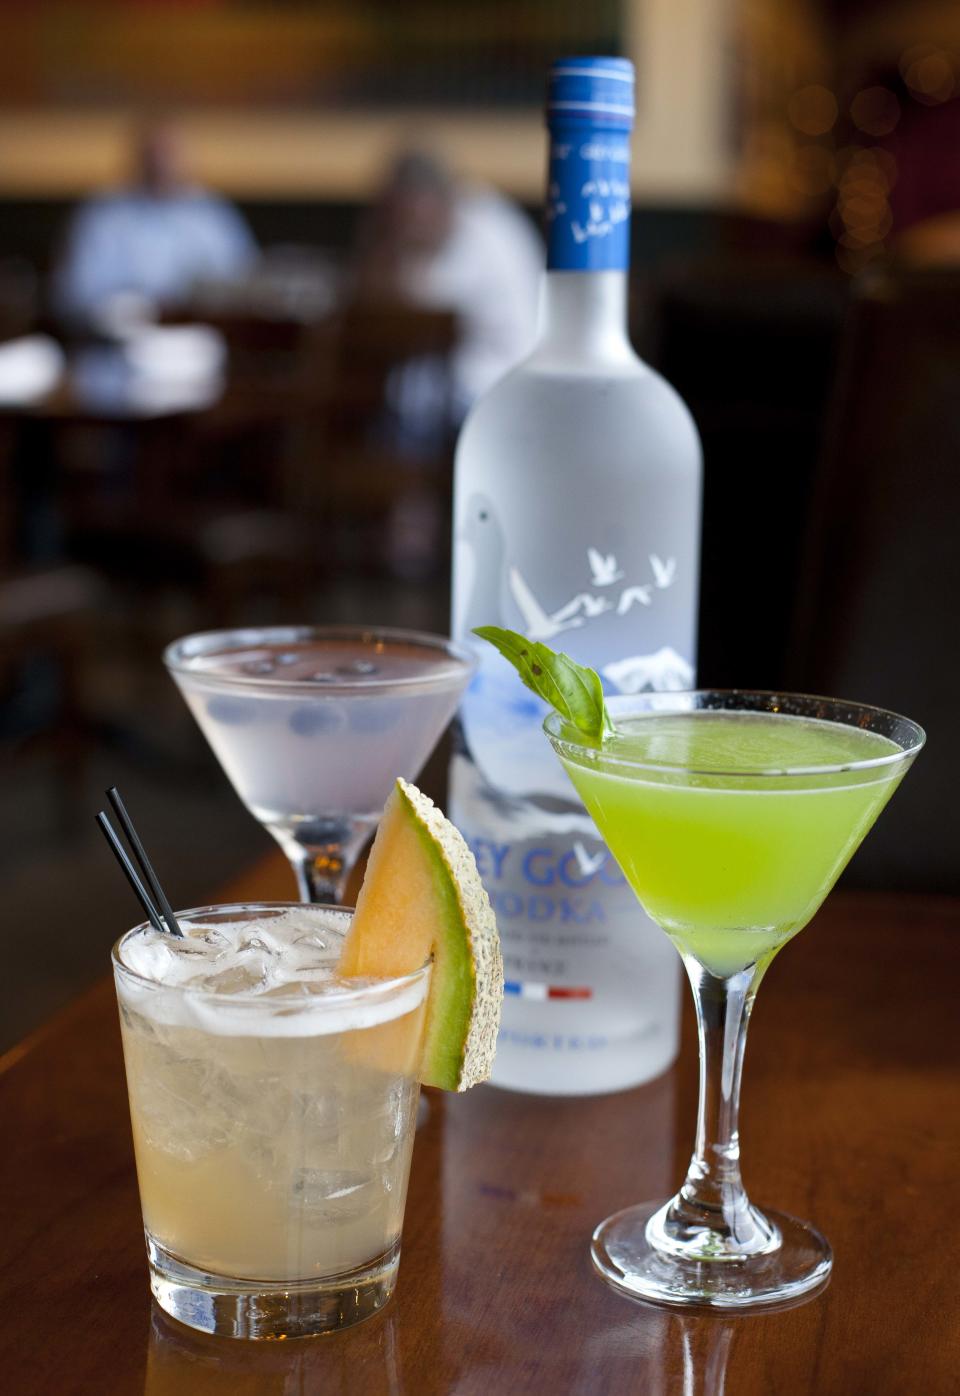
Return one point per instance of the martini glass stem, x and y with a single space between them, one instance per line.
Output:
321 874
322 853
711 1217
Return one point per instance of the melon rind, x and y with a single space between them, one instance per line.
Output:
486 961
463 1009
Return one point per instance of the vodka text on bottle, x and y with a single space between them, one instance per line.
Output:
577 522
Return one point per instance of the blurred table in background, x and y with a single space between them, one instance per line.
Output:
149 437
189 476
850 1108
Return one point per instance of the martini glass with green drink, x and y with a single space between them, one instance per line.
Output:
732 814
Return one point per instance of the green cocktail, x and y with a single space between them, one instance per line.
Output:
731 866
732 815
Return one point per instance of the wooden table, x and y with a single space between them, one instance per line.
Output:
851 1110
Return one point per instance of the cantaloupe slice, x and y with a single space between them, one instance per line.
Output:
421 897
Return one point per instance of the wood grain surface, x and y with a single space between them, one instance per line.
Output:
850 1113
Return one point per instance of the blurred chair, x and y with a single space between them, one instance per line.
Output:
367 484
188 490
45 642
880 594
254 530
19 297
255 554
46 611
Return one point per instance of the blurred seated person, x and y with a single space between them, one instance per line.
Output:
136 250
442 244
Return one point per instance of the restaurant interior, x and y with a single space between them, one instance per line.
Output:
230 452
266 434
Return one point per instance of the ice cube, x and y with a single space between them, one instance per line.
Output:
259 666
262 938
310 971
181 1110
151 958
310 721
244 975
232 712
341 1194
371 717
318 1113
306 953
358 666
287 989
311 938
194 940
216 942
185 948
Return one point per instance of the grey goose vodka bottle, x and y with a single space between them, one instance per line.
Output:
577 522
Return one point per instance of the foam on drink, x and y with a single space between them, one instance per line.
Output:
228 970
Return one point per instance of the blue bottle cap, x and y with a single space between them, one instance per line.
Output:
591 92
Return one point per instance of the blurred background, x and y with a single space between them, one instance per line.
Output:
257 259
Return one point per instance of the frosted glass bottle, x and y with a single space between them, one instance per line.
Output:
577 522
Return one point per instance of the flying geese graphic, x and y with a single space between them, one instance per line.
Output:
604 568
536 623
663 572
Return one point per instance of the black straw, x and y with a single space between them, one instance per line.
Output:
130 872
153 882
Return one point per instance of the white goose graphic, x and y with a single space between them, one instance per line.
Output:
589 863
537 624
501 720
483 538
663 572
630 595
604 568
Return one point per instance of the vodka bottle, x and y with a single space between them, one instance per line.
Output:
577 522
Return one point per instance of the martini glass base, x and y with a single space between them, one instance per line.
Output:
796 1270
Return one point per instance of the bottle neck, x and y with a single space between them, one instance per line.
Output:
583 321
583 308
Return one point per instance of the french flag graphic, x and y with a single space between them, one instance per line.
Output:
527 989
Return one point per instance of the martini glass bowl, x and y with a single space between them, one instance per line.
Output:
731 814
313 724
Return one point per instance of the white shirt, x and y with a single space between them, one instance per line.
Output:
156 247
488 271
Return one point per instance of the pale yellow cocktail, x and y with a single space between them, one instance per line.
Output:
273 1107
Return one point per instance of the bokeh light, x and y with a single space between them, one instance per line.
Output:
862 219
875 111
853 260
813 170
930 73
813 110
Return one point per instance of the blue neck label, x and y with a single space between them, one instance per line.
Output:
588 199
